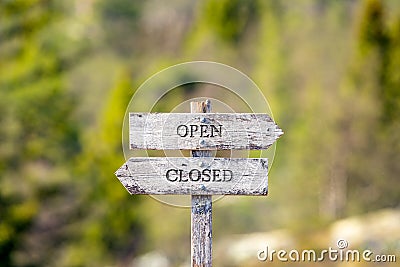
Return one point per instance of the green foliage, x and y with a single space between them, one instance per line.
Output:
109 218
230 19
372 29
391 92
120 20
38 135
371 82
330 70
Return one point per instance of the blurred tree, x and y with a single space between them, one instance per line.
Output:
368 99
109 228
391 92
339 155
389 140
120 20
303 95
225 31
38 137
231 19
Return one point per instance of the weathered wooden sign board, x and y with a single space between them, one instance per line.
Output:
202 131
200 176
194 176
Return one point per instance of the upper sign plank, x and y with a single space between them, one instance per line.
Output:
205 131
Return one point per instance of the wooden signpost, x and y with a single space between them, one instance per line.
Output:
200 176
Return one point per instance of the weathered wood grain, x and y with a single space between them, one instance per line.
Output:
201 213
221 176
202 131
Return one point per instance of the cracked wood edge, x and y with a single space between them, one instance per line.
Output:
143 175
243 131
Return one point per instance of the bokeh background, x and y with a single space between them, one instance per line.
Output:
329 69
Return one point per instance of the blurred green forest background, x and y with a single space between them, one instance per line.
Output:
329 69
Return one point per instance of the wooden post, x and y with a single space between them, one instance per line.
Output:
201 233
200 133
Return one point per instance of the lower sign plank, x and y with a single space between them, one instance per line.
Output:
194 176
